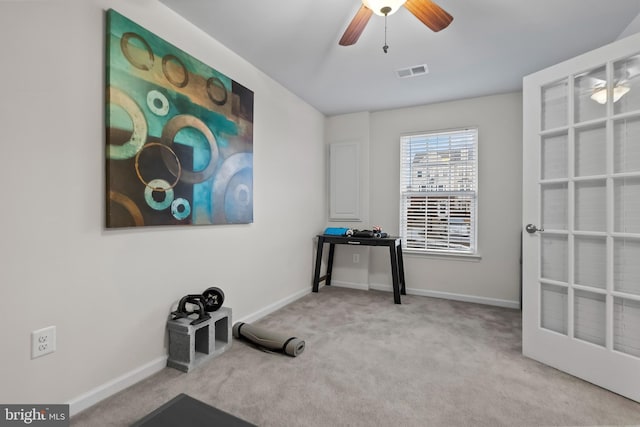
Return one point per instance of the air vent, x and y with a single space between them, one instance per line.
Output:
415 71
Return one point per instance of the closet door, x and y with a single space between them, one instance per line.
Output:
581 216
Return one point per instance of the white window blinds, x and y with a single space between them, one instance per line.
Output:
438 191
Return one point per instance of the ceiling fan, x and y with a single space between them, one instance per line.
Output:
431 15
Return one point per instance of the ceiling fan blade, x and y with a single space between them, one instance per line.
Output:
431 15
356 26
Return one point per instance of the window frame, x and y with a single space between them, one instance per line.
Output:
447 193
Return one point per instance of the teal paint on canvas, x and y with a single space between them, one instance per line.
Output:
179 135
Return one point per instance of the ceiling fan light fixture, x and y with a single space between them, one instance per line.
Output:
429 13
600 94
377 6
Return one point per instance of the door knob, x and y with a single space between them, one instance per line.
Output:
532 228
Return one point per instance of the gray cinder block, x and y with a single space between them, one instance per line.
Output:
192 345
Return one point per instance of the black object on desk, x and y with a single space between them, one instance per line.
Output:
395 253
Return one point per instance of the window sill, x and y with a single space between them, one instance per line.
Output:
442 255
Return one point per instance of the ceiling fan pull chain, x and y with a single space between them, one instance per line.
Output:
385 48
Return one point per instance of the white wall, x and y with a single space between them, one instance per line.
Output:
353 127
495 277
109 292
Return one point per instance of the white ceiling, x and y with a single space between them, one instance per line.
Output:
487 49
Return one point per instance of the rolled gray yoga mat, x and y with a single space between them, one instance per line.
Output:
268 339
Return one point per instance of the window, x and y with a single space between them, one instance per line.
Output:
438 191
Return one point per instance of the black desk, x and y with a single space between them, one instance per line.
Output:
395 252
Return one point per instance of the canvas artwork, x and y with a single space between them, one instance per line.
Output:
179 137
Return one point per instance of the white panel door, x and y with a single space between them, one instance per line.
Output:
581 213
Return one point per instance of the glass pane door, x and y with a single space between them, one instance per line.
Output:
581 217
589 184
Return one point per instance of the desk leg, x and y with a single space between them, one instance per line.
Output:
403 289
394 273
332 248
316 276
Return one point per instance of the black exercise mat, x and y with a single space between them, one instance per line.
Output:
184 410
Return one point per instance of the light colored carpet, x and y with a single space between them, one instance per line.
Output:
369 362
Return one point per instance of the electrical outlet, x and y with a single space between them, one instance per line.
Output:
356 258
43 341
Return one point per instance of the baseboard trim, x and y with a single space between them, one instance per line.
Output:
134 376
433 294
351 285
116 385
466 298
275 306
